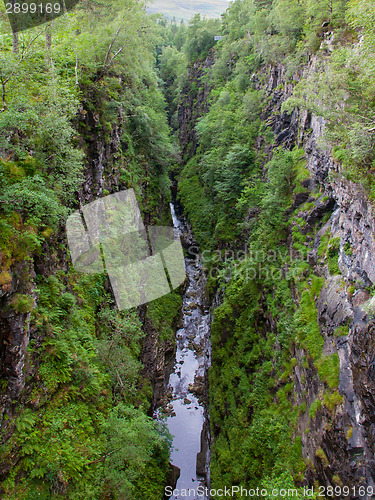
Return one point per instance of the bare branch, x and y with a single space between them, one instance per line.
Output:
114 39
6 80
103 457
107 64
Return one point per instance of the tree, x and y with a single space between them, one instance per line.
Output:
11 65
361 16
200 37
132 444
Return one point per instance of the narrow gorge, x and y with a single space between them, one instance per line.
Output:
187 410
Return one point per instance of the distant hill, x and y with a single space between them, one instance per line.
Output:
185 9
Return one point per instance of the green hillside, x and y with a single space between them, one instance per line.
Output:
187 9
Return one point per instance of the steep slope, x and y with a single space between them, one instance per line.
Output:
277 183
79 378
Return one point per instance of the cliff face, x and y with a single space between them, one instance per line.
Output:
193 104
25 331
103 173
346 435
336 428
15 330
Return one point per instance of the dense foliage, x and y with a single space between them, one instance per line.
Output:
90 435
83 92
239 190
81 427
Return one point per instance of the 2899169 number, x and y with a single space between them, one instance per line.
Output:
33 8
344 491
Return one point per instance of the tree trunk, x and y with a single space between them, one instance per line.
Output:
16 43
3 96
76 68
47 55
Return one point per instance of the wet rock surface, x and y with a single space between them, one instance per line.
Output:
173 476
334 308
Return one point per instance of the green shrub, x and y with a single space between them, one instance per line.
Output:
329 369
322 456
331 400
315 406
22 303
164 313
341 331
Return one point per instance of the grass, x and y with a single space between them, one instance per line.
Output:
329 249
306 319
332 256
302 172
341 331
324 244
331 400
308 206
323 457
348 249
315 406
329 370
5 278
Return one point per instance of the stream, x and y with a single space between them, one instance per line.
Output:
188 416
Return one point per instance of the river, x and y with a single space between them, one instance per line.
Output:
188 416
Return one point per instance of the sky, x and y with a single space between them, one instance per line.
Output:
185 9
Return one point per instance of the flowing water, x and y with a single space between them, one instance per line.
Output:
188 420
